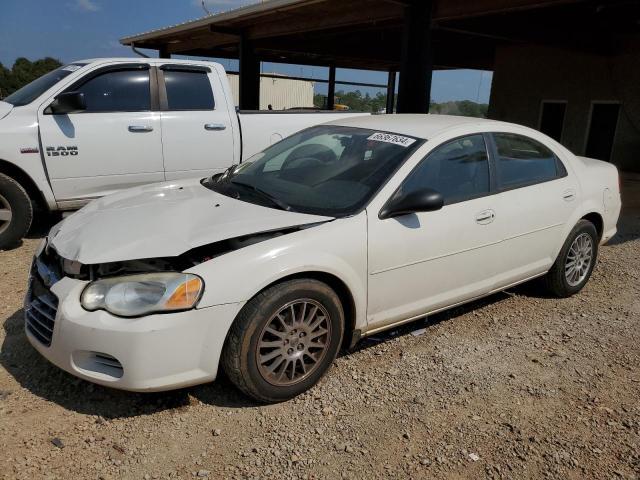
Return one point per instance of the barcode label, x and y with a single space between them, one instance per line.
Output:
392 138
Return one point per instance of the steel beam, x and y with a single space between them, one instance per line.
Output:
416 65
249 80
331 90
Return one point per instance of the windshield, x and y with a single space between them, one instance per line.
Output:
326 170
33 90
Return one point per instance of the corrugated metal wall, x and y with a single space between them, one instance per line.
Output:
280 93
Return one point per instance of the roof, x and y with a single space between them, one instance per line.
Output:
417 125
246 12
368 34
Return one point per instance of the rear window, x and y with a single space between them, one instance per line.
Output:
188 90
523 161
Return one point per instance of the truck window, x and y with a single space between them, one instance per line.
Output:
33 90
188 90
118 91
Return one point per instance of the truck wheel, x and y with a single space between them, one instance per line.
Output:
284 340
575 262
16 212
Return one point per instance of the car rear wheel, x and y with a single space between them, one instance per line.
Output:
284 340
16 212
572 269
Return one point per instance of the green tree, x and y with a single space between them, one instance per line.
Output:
358 102
24 71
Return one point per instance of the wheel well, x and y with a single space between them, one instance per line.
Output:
343 292
27 183
597 221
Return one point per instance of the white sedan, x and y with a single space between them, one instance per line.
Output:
333 234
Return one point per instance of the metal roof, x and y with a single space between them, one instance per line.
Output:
246 12
368 33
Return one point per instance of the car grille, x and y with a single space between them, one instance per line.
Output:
41 305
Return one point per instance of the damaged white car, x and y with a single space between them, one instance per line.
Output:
332 234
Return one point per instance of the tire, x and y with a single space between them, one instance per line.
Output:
16 212
561 280
251 351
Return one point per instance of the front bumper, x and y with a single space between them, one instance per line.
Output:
153 353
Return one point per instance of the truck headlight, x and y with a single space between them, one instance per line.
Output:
136 295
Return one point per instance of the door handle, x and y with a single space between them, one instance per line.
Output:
483 218
140 128
214 126
569 195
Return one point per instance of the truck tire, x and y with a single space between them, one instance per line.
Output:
575 262
284 340
16 212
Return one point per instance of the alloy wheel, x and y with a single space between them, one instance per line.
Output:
5 214
579 258
293 342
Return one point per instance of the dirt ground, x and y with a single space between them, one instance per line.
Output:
515 386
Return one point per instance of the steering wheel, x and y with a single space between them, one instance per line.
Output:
312 154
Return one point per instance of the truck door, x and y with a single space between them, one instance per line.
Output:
197 132
115 143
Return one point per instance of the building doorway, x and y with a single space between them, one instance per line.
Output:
602 130
552 114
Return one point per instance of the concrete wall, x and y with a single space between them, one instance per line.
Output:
280 93
526 75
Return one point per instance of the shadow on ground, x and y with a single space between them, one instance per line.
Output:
41 378
44 380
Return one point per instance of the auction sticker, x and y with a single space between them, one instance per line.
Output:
392 138
71 68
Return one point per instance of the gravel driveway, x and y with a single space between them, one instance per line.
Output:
515 386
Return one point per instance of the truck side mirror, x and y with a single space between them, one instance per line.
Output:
68 102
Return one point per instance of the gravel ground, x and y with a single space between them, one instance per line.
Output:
515 386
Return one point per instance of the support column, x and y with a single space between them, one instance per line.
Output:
164 52
331 90
249 81
414 88
391 91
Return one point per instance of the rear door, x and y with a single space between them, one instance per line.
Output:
115 143
197 131
537 197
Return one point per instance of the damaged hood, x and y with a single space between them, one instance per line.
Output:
163 220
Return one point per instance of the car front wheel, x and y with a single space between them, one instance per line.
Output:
575 262
284 340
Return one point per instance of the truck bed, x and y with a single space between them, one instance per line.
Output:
258 130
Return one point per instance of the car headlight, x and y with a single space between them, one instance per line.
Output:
135 295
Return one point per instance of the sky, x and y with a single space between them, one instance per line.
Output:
74 29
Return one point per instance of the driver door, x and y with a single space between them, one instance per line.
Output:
114 144
429 260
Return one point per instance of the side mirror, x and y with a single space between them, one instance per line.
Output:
68 102
423 200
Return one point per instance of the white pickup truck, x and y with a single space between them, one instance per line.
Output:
96 126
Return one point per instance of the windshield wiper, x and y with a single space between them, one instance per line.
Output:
275 201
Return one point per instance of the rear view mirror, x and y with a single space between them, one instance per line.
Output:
68 102
422 200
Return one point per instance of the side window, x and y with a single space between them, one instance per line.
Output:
523 161
118 91
458 169
188 90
